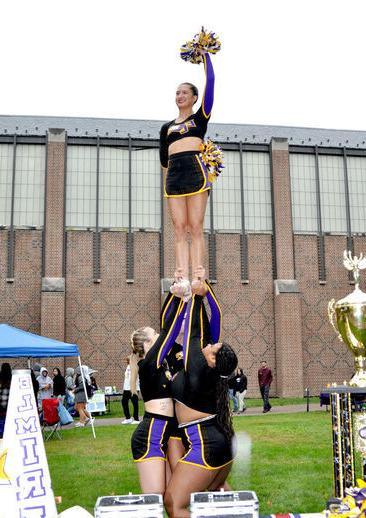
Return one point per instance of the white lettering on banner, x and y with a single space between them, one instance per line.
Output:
27 403
23 425
29 445
30 484
29 488
34 512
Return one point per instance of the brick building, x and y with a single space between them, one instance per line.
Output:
85 240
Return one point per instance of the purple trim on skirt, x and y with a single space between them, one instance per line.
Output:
207 183
156 438
194 454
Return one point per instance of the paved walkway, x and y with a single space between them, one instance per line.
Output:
287 409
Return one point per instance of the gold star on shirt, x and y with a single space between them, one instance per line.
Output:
3 475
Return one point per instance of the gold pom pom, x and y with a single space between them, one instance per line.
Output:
213 158
202 42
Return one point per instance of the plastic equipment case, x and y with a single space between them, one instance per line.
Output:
129 506
225 504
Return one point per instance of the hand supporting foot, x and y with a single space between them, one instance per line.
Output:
181 286
198 283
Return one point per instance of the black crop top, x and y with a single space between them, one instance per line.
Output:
155 381
196 124
195 386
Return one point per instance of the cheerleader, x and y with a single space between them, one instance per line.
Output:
187 181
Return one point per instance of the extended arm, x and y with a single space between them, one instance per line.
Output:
208 95
171 324
193 340
216 315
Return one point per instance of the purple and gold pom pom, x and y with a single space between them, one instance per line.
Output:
203 41
213 158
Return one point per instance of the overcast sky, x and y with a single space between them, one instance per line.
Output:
283 62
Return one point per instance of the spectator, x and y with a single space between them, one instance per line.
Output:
69 378
45 385
59 384
241 383
5 381
232 393
80 396
265 379
70 398
127 396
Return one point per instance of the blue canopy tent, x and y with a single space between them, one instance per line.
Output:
15 343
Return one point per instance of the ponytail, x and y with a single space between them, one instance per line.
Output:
138 338
226 363
134 372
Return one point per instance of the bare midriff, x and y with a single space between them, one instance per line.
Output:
162 406
186 415
184 144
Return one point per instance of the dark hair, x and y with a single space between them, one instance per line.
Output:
226 363
193 88
58 371
5 375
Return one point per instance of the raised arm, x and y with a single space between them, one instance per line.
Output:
194 336
216 315
208 94
171 324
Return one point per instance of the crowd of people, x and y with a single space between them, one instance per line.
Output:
68 389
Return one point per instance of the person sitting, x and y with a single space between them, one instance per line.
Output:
45 385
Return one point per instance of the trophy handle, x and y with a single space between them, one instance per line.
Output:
331 313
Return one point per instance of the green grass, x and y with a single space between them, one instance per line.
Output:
116 407
289 465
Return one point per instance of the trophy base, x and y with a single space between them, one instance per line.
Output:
358 380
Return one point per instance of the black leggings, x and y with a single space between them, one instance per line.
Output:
126 396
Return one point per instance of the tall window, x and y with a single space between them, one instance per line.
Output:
81 186
113 187
257 192
332 194
226 199
29 185
356 168
303 193
146 196
6 165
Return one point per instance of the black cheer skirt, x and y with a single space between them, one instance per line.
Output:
186 175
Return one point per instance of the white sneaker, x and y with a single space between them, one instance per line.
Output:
135 422
127 421
78 425
90 420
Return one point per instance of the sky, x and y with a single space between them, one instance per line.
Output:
283 62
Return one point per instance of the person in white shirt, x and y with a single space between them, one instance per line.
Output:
127 396
45 385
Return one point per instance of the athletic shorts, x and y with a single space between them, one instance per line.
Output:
186 175
150 439
206 445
